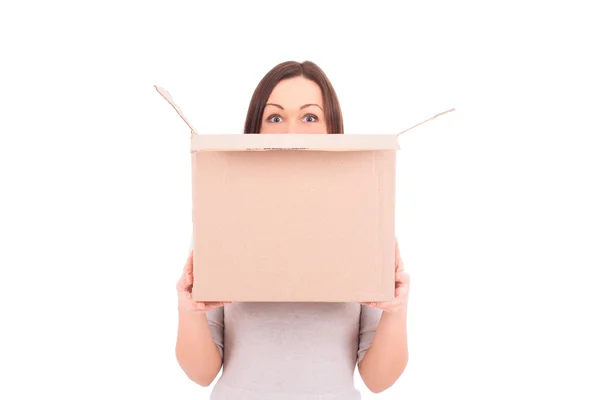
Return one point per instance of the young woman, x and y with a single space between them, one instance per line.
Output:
292 351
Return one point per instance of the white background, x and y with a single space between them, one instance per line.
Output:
498 216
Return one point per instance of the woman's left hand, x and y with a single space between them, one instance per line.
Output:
400 301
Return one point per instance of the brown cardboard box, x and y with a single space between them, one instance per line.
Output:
293 217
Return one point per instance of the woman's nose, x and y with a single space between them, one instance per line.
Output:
293 127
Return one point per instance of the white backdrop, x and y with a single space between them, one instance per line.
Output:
497 202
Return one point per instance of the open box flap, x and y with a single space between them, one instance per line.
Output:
167 96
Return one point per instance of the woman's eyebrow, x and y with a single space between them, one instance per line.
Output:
308 105
276 105
303 107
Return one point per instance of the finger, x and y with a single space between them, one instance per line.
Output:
398 259
209 305
213 306
189 263
185 280
403 278
402 284
184 283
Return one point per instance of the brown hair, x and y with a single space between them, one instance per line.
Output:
291 69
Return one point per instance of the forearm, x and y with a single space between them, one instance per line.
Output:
387 356
197 353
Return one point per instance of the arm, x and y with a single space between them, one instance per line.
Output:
387 356
383 352
198 354
199 347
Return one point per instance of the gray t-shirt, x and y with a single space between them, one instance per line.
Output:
291 351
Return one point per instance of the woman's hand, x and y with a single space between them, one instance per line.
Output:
400 301
184 291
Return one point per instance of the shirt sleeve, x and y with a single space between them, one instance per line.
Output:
369 320
216 324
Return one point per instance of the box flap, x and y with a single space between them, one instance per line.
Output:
167 96
294 141
427 120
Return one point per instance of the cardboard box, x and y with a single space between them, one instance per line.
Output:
293 217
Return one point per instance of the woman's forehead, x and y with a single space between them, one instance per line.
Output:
296 92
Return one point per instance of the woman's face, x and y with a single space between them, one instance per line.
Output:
295 106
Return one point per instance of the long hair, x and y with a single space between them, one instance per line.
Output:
291 69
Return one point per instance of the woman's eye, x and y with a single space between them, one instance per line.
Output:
310 118
275 119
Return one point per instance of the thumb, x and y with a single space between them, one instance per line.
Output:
185 282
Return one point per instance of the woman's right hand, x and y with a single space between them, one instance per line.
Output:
184 291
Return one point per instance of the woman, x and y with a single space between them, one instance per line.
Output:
292 351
